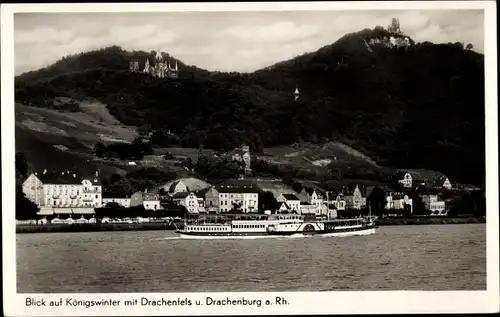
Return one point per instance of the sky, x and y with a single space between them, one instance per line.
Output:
225 41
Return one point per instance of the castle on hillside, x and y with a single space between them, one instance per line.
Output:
159 69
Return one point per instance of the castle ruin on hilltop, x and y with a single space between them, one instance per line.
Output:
160 68
394 27
396 38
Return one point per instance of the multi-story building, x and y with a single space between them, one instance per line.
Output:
406 181
339 202
356 200
191 203
151 201
64 189
436 206
244 198
398 201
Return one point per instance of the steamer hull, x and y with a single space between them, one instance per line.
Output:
278 226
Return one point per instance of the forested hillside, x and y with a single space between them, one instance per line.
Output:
420 106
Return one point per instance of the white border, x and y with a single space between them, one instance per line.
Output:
300 302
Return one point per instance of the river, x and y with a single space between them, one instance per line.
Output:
422 257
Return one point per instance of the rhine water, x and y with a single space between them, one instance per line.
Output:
433 257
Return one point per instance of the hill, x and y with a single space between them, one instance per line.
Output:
418 106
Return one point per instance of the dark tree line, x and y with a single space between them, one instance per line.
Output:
25 209
139 180
136 150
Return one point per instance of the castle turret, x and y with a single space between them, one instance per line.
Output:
159 57
146 66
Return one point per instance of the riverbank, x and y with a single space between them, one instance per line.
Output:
96 227
150 226
428 221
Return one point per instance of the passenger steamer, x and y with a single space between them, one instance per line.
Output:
266 226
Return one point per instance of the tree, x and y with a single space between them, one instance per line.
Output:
469 46
25 209
188 163
267 201
376 201
21 165
99 149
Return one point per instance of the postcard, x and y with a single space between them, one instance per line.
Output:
251 158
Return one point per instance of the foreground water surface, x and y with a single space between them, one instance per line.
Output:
433 257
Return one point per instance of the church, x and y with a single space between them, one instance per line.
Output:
160 68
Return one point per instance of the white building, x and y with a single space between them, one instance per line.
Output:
339 202
436 206
407 180
151 204
151 201
245 198
398 201
356 200
64 189
307 208
443 182
291 200
192 203
315 199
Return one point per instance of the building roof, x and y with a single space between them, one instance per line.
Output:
172 186
290 197
150 196
305 203
238 190
65 178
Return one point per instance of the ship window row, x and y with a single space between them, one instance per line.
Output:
248 226
206 228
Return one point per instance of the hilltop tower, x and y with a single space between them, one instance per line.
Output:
159 70
146 67
394 27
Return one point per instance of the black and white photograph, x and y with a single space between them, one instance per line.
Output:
240 155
